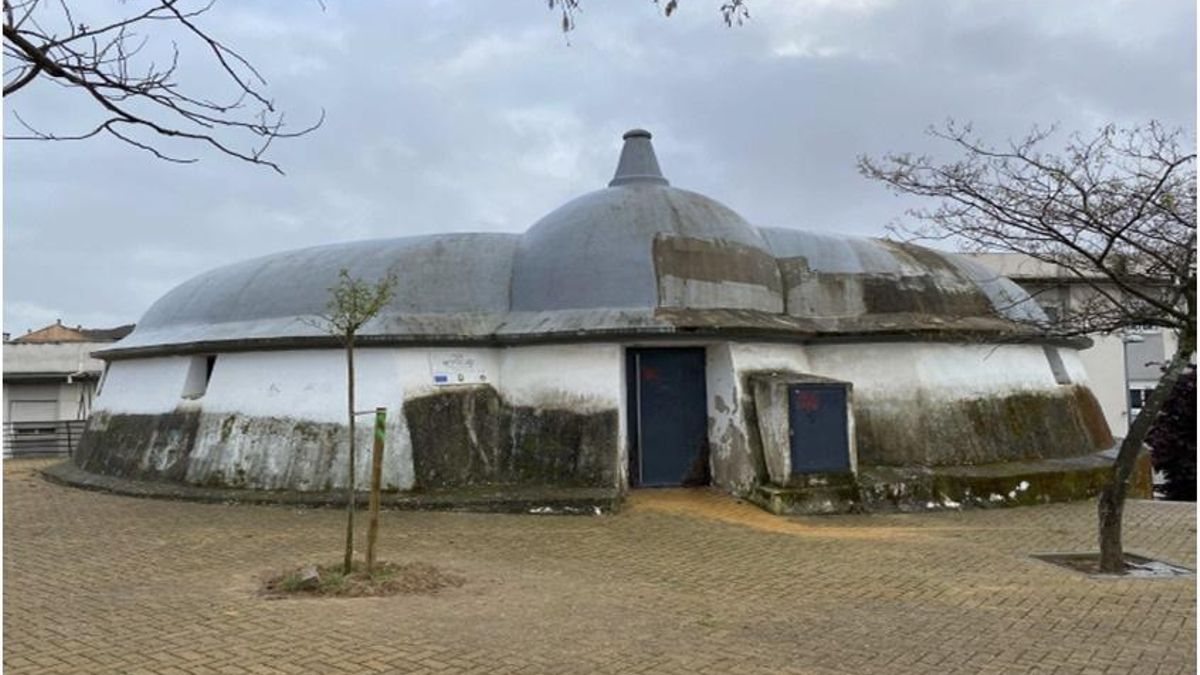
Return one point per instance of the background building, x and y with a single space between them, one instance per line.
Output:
50 380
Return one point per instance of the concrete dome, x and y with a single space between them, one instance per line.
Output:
612 248
608 249
273 298
637 257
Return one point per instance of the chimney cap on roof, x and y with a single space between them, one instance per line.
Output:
638 163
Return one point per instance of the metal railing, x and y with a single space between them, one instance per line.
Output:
34 439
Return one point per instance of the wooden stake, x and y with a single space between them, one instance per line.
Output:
376 478
348 559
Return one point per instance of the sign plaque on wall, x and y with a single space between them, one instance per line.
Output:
450 368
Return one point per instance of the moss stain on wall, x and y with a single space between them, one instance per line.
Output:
1019 426
471 436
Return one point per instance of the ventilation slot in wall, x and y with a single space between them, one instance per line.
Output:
200 370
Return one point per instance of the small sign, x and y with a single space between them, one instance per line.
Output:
450 368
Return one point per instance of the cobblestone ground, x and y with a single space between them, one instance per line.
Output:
680 582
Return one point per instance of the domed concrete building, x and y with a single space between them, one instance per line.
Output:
639 335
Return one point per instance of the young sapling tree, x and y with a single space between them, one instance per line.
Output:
353 302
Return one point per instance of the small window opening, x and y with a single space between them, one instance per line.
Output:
1138 398
1056 365
200 370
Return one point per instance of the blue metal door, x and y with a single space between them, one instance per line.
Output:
668 417
817 426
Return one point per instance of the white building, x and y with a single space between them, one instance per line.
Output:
50 380
639 335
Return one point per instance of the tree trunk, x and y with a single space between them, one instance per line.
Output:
349 559
1111 505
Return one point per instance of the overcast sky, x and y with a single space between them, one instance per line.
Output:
479 116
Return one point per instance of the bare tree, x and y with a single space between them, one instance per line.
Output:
1116 210
140 100
352 303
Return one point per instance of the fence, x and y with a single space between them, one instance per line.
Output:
34 439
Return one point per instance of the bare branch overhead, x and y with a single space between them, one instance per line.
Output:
732 11
141 101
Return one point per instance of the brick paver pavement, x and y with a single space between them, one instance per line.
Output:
680 582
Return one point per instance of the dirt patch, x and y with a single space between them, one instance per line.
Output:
327 581
720 507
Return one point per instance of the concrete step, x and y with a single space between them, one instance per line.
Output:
809 500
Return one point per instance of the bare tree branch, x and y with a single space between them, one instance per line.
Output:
732 11
1116 211
44 41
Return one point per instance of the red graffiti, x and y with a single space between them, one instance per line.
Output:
650 374
808 401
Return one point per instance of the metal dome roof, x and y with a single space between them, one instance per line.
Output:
637 257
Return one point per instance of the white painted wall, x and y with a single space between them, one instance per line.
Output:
770 356
941 371
584 377
310 386
143 386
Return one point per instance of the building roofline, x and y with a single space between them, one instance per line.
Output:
964 335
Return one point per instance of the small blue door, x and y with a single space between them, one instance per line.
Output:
668 417
817 426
